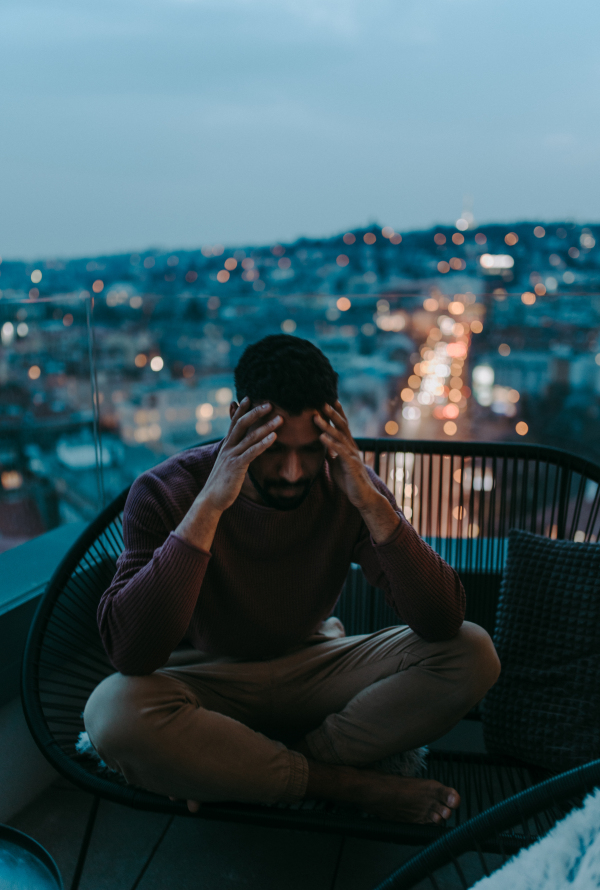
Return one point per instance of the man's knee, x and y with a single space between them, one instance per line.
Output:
113 715
478 656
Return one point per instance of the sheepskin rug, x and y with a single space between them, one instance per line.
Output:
567 857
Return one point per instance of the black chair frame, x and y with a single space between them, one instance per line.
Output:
462 497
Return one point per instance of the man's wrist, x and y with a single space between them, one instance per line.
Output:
372 502
380 518
199 524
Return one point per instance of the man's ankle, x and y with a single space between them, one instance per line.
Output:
328 781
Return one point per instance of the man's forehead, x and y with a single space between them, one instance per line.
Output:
296 429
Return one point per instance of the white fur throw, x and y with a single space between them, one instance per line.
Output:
567 857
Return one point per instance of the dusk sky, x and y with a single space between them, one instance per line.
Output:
174 123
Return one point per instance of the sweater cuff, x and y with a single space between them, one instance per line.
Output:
396 535
180 543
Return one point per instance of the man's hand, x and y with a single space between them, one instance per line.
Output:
224 483
346 463
239 449
350 473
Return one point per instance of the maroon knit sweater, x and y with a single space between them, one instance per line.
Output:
270 579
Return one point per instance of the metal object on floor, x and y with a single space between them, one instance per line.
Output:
462 498
25 864
491 837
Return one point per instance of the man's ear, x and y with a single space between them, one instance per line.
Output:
232 409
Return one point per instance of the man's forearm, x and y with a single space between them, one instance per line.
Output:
380 517
199 524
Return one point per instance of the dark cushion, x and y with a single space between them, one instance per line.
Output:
545 707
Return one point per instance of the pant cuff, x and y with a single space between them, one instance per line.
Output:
321 748
298 779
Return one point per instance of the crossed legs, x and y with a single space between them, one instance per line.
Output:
310 723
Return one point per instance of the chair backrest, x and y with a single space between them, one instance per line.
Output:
461 497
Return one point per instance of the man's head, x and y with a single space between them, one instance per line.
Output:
297 380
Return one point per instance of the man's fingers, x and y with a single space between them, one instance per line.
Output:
256 435
246 420
338 418
251 453
329 430
338 407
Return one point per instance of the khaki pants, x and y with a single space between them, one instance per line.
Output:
218 730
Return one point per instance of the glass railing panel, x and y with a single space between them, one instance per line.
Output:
100 383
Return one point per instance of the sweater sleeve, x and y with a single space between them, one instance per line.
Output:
419 585
147 609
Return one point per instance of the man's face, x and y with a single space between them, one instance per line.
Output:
283 473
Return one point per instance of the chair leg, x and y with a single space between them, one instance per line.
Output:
87 836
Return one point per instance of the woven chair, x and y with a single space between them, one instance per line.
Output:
461 497
480 846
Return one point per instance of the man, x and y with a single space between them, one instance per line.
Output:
239 551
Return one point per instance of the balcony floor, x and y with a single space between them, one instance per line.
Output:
214 856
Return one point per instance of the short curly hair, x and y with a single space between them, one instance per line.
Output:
288 371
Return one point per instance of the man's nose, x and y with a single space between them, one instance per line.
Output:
291 468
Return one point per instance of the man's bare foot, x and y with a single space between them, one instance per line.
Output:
390 797
407 799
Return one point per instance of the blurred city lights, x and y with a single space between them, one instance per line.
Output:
476 327
36 276
342 260
528 298
230 264
439 238
11 480
204 411
157 363
222 276
141 360
480 238
504 349
457 238
462 224
98 286
450 428
539 231
497 261
511 239
34 372
7 333
349 238
288 326
394 321
521 428
369 238
343 304
391 427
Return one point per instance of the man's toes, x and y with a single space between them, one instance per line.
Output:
448 797
437 813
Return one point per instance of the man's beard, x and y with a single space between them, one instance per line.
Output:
282 503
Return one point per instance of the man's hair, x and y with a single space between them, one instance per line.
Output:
288 371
